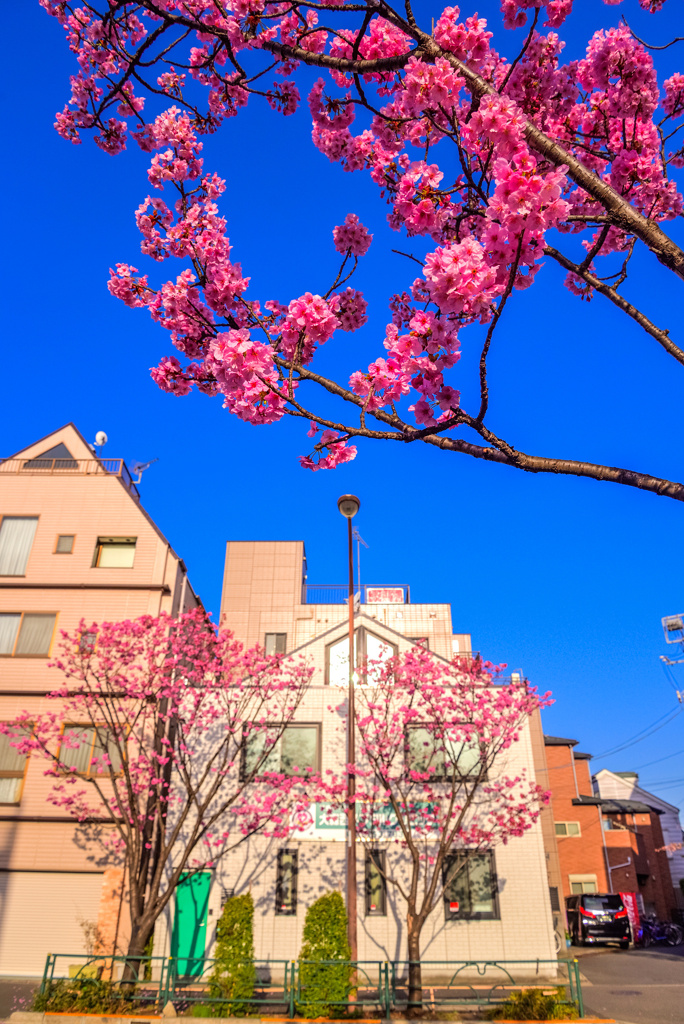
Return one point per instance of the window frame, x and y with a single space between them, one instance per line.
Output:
276 635
580 879
566 834
459 915
127 542
420 641
377 858
290 725
444 776
8 611
16 775
59 536
280 902
360 635
87 774
9 515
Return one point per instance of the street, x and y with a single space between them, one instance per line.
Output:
639 986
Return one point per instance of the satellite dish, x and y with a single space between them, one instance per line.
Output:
100 438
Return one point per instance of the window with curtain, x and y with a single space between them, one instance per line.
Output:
275 643
16 539
295 751
65 544
470 886
84 748
26 634
12 767
286 882
376 884
114 553
450 754
567 828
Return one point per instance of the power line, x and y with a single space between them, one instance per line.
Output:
658 760
644 734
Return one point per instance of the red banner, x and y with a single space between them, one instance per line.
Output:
630 901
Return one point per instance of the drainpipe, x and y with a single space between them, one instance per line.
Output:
574 773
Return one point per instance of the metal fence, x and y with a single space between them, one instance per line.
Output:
376 986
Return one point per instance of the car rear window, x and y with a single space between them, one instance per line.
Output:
603 903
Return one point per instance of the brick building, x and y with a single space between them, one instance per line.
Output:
267 599
636 825
607 831
577 818
75 542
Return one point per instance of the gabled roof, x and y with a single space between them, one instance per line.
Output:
559 741
373 624
579 756
70 438
654 801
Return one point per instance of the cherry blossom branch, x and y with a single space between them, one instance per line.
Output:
661 335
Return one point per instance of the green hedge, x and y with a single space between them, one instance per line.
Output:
234 973
325 938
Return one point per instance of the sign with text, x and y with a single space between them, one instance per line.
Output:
384 595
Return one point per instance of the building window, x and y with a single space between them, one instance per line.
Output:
65 544
469 881
26 634
295 752
87 642
114 553
555 899
286 883
583 883
366 646
567 828
376 884
16 539
89 750
275 643
420 641
12 768
431 749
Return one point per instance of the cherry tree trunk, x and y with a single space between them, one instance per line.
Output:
134 966
415 977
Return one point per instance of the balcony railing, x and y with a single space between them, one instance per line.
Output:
71 467
338 593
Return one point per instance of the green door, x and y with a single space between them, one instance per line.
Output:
189 939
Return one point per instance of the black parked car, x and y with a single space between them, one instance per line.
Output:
598 917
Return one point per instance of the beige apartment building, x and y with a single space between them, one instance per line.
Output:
268 600
75 543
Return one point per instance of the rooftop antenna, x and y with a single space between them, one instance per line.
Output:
100 441
140 467
359 541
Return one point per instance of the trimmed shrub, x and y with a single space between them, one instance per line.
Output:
325 938
234 972
82 995
535 1004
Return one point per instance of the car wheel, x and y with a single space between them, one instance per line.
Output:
577 939
624 943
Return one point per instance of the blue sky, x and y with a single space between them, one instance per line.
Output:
566 579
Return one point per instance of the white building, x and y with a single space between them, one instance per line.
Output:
267 600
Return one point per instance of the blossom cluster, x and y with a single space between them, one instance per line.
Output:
455 166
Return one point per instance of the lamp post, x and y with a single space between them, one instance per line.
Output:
349 505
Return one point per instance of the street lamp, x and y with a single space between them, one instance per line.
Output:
349 505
